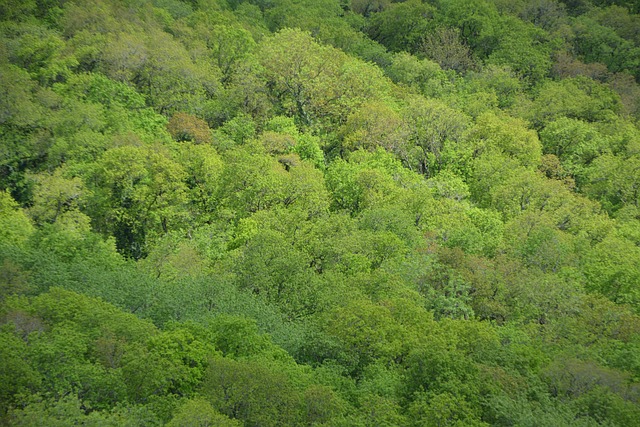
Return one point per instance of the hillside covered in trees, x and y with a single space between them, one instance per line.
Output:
346 213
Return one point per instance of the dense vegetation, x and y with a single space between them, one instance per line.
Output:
319 213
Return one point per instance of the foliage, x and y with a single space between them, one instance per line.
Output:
319 213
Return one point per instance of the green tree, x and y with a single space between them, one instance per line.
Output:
40 51
422 75
500 80
524 48
139 193
14 223
160 67
17 375
199 413
366 331
432 126
478 22
445 47
453 222
185 127
598 43
55 195
272 269
251 181
612 268
507 135
252 392
203 169
367 7
576 143
578 98
229 45
298 68
25 139
317 83
367 180
443 409
376 125
613 180
401 25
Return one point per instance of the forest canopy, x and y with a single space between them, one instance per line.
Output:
320 213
